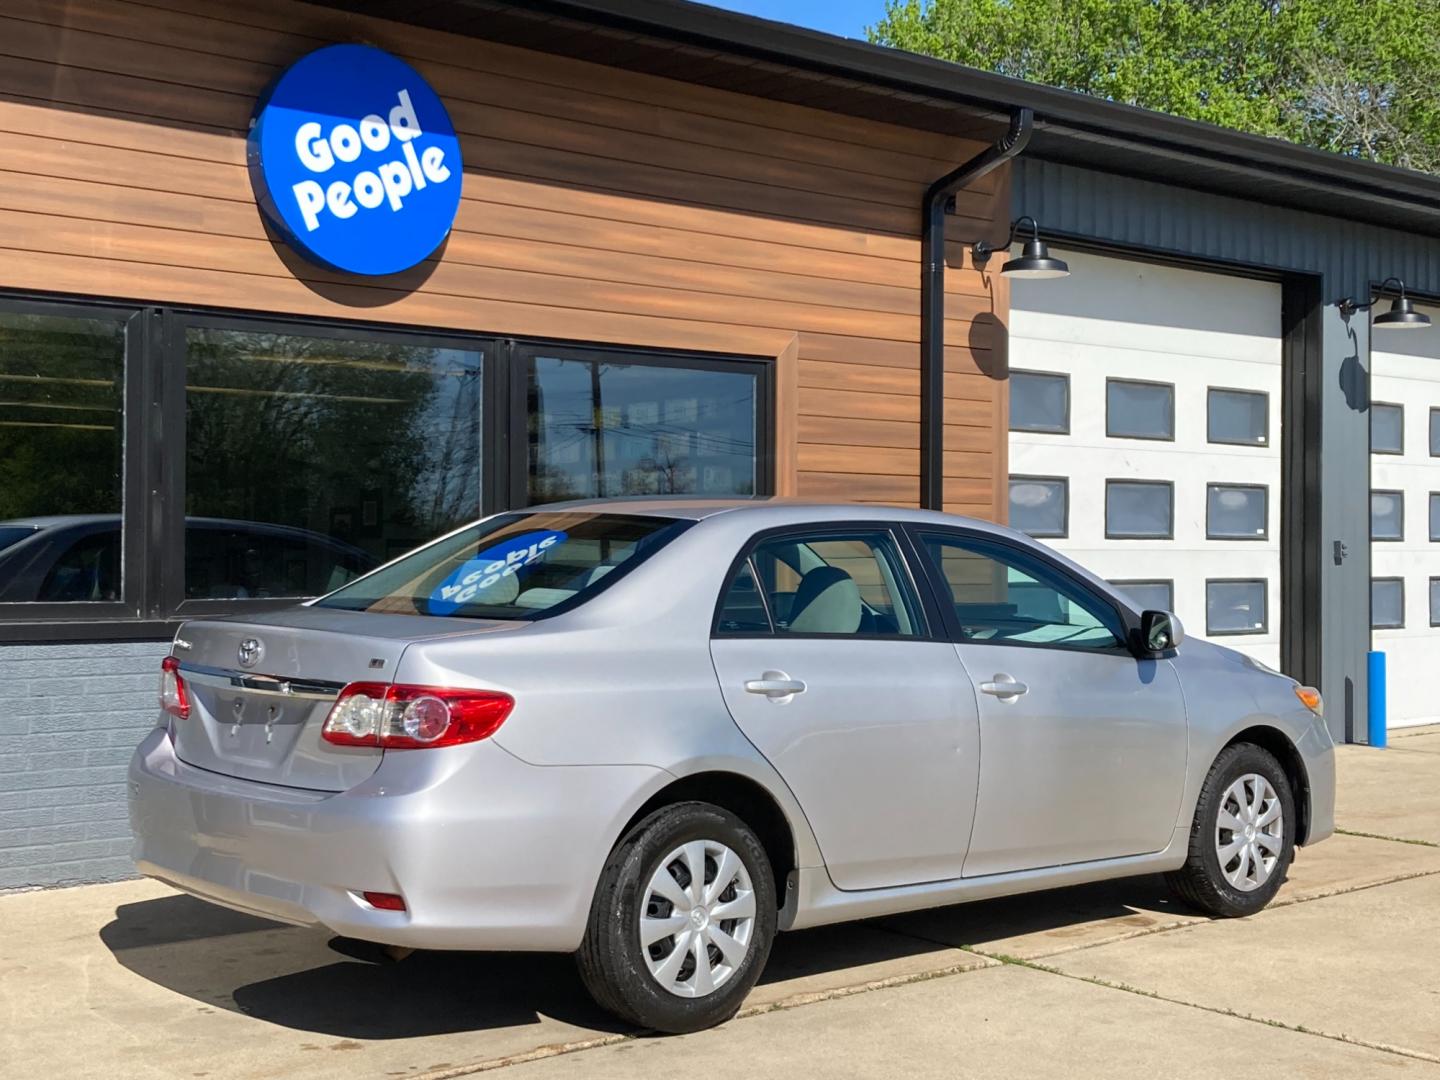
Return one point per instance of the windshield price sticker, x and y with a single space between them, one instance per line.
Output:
354 161
488 568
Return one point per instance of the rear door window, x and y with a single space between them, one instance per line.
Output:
822 584
514 566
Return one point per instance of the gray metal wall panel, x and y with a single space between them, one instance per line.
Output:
1349 257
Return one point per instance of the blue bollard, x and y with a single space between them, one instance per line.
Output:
1376 669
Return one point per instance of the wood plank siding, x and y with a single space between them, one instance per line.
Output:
600 205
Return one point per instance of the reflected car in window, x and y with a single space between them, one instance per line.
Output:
74 558
655 732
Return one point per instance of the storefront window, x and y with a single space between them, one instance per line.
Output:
310 460
602 428
61 457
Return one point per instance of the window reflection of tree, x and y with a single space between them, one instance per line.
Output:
291 429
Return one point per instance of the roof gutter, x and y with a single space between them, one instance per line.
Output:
940 201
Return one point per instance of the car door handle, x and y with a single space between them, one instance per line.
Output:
775 684
1005 687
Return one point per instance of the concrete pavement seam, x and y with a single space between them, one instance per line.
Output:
1382 836
1418 1055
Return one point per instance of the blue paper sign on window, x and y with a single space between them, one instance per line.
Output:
490 575
354 161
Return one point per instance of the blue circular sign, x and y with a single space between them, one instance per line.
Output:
355 162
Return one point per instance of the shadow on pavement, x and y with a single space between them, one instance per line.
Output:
308 980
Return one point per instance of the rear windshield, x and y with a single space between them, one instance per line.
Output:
515 566
10 534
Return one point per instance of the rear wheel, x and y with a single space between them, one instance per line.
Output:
1243 836
682 920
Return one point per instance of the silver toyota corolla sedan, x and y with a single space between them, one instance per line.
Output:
655 733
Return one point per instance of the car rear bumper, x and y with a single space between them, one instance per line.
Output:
488 852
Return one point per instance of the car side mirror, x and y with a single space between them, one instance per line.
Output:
1160 632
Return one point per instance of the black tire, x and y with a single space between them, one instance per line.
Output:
1201 883
611 961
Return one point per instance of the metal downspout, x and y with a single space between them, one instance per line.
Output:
940 200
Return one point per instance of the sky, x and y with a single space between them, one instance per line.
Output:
847 18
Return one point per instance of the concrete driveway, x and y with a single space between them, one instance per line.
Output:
1340 977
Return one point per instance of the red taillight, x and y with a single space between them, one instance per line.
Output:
385 901
401 717
173 697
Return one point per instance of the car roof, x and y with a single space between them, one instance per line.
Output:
780 508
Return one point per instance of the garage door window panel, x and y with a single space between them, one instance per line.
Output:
1236 511
1236 607
1139 510
1435 601
1139 410
1387 603
1238 417
1434 432
1148 595
1040 505
1040 402
1387 428
1387 515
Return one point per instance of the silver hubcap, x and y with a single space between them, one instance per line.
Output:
697 919
1250 832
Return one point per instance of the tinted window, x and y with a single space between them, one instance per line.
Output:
514 566
1139 410
88 570
1435 601
1039 402
1387 434
1238 416
1007 597
1435 432
1235 512
1149 595
1387 603
1435 515
15 533
372 445
835 584
1138 508
1235 607
1387 515
236 559
1037 505
61 440
602 429
743 609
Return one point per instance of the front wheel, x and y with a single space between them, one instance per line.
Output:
1243 836
682 920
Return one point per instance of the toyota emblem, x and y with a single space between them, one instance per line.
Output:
251 651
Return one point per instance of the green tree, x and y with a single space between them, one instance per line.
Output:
1357 77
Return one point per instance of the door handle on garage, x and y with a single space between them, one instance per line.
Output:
775 684
1005 687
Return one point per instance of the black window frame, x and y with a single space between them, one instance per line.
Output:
1400 408
1170 530
1110 433
1387 578
152 604
1264 584
1064 377
1264 533
1212 390
911 568
1064 482
942 596
1399 493
1120 585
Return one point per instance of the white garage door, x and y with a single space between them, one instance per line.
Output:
1145 437
1405 515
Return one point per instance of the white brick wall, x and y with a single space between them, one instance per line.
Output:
72 718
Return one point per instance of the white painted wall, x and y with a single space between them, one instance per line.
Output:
1405 370
1126 319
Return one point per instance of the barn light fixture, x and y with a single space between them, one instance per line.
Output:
1401 316
1035 260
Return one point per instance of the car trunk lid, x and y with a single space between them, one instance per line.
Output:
260 690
